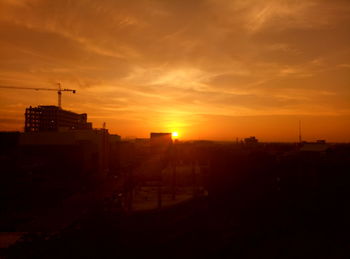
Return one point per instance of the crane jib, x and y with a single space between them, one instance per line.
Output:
59 90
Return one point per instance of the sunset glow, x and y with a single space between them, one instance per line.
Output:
164 128
210 69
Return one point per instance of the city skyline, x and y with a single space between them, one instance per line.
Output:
205 69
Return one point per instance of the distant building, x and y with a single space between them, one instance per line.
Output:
161 139
95 150
160 142
53 118
53 132
251 140
114 137
319 146
142 140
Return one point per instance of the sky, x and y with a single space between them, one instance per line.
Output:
208 69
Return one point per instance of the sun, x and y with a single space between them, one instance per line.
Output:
174 134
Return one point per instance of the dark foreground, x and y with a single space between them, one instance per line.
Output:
263 202
193 230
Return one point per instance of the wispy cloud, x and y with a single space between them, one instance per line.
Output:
177 62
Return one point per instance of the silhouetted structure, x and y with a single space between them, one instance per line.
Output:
92 148
320 146
244 196
160 139
251 140
53 118
270 199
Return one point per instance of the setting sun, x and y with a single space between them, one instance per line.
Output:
254 70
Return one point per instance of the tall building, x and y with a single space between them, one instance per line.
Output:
53 118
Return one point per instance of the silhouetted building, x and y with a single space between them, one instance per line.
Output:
94 145
315 147
114 137
53 118
142 140
160 142
251 140
161 139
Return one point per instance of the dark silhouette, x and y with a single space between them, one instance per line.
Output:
53 118
78 193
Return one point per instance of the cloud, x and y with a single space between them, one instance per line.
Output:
147 61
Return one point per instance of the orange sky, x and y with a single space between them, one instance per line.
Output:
210 69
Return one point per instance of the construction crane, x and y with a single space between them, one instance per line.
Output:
59 90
